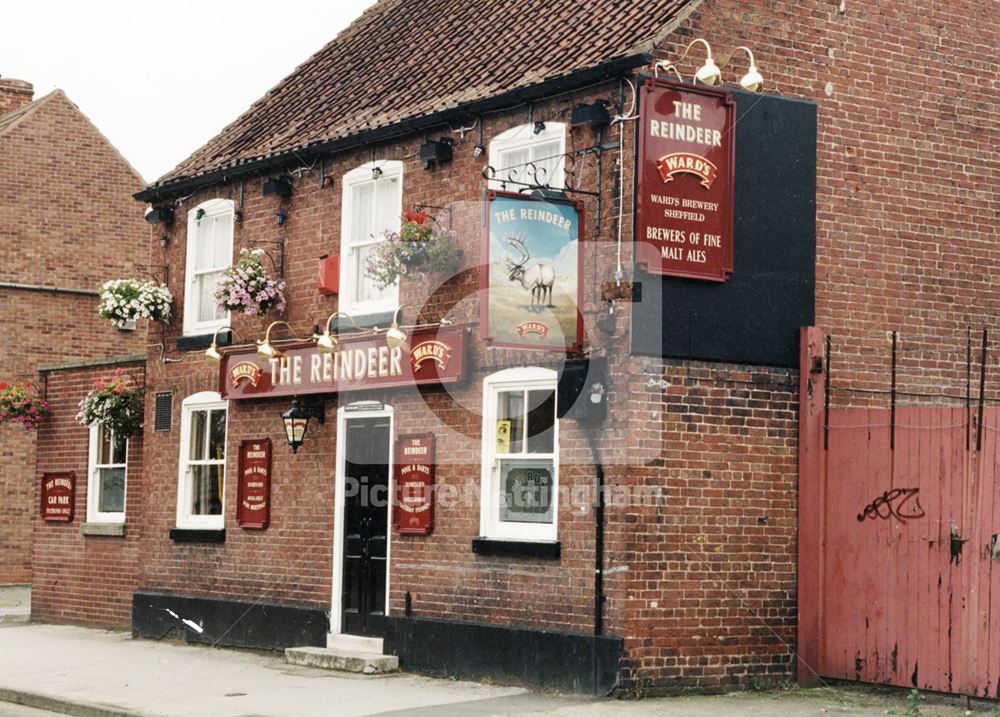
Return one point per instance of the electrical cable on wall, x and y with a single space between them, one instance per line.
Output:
621 120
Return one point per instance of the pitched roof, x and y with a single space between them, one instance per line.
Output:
409 59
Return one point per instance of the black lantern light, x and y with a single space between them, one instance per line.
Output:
296 420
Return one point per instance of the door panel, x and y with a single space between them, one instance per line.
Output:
365 526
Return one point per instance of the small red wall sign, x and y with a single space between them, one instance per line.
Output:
253 496
58 496
684 190
414 504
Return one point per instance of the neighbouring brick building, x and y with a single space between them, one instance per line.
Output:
862 204
66 226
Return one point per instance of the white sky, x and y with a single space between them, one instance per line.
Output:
159 80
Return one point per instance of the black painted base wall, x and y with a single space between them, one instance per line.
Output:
563 661
229 623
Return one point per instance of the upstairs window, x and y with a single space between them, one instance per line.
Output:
520 481
107 477
372 205
523 155
209 253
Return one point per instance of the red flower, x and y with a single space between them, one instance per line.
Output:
3 385
415 217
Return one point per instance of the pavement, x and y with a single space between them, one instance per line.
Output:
59 669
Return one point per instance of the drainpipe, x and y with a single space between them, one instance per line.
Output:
49 289
598 538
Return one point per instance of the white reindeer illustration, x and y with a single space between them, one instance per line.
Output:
537 279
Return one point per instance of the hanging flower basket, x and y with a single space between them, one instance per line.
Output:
125 300
420 247
22 405
115 404
247 289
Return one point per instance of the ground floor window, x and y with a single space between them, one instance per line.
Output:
520 478
107 476
201 484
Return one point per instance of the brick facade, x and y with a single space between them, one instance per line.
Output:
67 224
702 583
84 579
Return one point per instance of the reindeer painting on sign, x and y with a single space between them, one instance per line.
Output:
533 272
537 279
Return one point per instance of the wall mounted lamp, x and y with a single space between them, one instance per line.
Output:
327 342
376 173
710 74
160 215
396 336
296 419
213 353
265 349
539 127
752 81
281 217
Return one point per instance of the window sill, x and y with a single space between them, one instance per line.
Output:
549 549
111 530
365 321
203 341
197 535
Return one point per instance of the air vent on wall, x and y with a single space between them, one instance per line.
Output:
164 410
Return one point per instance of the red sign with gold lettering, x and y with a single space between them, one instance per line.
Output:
414 505
432 355
58 496
684 190
253 492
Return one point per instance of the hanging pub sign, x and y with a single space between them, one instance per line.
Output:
58 496
414 505
533 273
433 355
253 490
684 183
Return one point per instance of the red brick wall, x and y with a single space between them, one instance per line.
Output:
83 579
67 221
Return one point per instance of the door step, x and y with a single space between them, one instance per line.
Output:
345 660
354 643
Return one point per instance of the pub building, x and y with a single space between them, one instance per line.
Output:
563 450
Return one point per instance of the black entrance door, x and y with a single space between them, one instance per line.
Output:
366 513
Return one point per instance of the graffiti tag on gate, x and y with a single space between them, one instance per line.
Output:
893 504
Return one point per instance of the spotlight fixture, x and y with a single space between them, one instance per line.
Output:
278 186
160 215
327 182
709 73
327 342
265 349
199 215
395 337
296 419
752 81
435 152
539 127
213 354
281 216
594 115
164 240
376 173
478 151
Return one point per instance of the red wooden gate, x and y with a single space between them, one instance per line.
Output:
899 549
